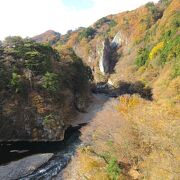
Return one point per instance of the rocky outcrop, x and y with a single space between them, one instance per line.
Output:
117 41
107 53
36 102
104 61
36 120
23 167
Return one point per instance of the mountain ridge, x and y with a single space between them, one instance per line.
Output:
50 37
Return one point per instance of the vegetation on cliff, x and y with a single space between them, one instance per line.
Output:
39 85
136 137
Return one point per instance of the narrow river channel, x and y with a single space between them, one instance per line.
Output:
62 151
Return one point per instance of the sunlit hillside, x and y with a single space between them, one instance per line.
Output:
116 81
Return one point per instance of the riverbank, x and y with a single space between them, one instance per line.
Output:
126 139
96 104
63 151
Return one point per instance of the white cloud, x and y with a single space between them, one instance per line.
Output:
32 17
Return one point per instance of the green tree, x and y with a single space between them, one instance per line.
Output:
87 33
142 57
50 82
16 82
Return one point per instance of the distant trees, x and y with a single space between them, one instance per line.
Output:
34 56
156 13
142 57
87 33
171 51
35 65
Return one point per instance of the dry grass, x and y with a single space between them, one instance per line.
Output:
142 135
156 129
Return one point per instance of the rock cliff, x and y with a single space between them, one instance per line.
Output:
40 91
104 54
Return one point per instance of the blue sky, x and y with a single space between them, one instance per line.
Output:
28 18
78 4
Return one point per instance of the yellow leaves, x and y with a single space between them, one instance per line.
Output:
91 166
38 102
127 102
156 49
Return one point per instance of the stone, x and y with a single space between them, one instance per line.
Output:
23 167
104 61
117 41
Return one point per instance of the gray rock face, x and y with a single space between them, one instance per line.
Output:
104 61
23 167
117 41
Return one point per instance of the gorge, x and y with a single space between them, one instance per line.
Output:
100 102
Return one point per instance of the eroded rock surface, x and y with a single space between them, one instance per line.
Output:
23 167
104 61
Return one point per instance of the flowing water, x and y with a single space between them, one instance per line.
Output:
63 151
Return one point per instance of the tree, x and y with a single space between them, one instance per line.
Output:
87 33
16 82
50 82
142 57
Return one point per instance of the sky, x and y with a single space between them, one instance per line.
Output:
28 18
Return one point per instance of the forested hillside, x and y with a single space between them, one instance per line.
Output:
136 137
134 55
41 90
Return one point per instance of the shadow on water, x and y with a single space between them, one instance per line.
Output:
61 158
63 151
11 151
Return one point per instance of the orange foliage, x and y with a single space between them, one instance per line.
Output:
73 39
38 102
127 102
132 23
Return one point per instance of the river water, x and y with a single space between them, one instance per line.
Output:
63 151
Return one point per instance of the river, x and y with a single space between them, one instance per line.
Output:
62 151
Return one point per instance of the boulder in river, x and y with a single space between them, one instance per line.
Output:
23 167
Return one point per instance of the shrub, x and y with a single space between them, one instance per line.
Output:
113 169
87 33
112 23
16 82
80 75
37 58
38 102
127 102
50 82
170 51
142 57
154 10
176 70
101 21
48 118
4 77
156 49
19 84
32 55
